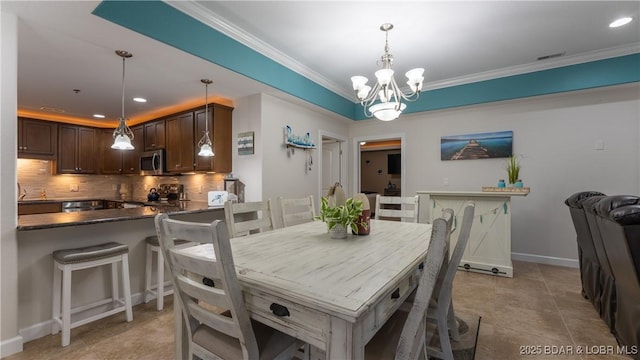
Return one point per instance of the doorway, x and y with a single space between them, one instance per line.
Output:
333 166
380 164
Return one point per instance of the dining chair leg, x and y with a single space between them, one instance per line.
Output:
454 332
443 333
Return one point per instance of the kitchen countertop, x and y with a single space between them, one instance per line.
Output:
53 220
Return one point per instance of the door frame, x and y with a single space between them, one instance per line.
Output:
357 159
344 179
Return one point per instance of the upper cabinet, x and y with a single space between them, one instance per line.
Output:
180 143
154 135
77 150
37 139
120 161
220 134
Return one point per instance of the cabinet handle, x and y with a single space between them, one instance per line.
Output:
279 310
24 148
395 294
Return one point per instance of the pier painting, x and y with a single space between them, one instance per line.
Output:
476 146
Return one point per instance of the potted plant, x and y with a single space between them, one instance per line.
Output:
513 170
339 218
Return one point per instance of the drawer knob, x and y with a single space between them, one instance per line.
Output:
421 266
208 282
395 294
279 310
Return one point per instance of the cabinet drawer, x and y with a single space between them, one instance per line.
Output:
303 323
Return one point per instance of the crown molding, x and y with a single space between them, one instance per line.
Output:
204 15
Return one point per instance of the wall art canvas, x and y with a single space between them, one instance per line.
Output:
245 143
476 146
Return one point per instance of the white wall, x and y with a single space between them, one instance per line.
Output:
10 341
248 168
555 135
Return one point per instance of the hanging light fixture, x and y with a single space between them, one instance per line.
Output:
388 95
122 135
206 148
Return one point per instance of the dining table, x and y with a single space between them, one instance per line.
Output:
333 294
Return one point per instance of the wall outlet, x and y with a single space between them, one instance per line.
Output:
114 187
74 187
599 145
445 181
200 189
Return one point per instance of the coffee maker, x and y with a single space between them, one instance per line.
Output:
171 191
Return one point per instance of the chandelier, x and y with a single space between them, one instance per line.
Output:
205 143
385 101
122 135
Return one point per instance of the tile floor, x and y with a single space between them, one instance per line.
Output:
541 306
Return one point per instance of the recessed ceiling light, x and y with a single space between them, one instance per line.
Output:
620 22
99 116
139 99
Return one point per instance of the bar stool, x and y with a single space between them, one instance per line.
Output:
149 293
68 260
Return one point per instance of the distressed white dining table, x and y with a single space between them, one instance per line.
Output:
337 293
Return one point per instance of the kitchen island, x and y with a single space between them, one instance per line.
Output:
39 235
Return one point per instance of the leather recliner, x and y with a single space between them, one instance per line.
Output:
607 280
588 261
619 221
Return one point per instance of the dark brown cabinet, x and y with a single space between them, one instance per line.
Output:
39 208
154 135
37 139
220 134
180 143
117 162
77 150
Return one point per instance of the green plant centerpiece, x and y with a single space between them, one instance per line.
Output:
346 216
513 169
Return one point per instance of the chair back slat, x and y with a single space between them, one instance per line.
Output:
412 338
297 211
246 218
403 213
194 297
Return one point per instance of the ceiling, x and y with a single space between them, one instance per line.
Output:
327 41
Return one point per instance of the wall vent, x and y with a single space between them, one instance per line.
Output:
546 57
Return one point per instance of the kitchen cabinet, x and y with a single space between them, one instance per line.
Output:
39 208
220 134
117 162
77 150
154 135
180 143
37 139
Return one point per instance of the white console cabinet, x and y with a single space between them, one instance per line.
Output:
489 248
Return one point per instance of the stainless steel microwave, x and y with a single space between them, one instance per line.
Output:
153 162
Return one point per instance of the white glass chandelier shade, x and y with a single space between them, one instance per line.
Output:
206 148
123 135
385 100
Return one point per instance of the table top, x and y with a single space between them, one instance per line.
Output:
472 193
343 277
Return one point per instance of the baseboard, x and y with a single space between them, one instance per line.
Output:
11 346
42 329
548 260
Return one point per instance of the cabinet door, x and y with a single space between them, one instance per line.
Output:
180 143
131 158
36 139
154 135
87 151
67 149
222 138
203 163
110 159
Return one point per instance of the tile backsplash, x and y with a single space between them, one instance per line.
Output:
35 176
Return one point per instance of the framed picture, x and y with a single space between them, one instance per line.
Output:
476 146
245 143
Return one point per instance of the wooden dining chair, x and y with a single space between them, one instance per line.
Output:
248 218
394 207
403 336
296 210
441 305
231 334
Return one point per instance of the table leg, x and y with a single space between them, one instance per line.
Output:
345 341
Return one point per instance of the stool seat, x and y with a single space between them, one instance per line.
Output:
153 240
69 256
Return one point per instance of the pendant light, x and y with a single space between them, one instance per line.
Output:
206 148
122 135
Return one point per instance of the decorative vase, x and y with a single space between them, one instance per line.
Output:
365 218
501 183
518 184
338 232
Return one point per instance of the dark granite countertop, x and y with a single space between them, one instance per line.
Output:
53 220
